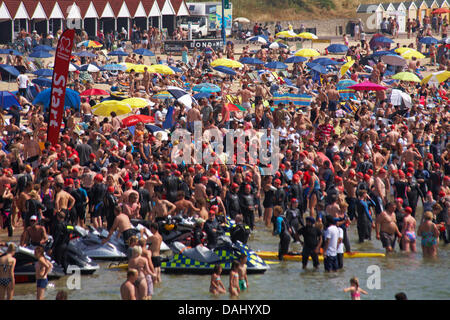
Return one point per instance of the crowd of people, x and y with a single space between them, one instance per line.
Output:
371 167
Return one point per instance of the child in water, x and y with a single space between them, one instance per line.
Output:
234 280
216 287
242 271
355 290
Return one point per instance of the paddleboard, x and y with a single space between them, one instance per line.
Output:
270 255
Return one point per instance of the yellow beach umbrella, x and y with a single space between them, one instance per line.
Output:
226 63
346 66
436 78
137 102
406 76
403 50
412 54
286 34
307 35
139 68
105 108
306 52
160 68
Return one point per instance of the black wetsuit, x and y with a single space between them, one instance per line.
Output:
269 197
172 185
210 233
98 192
413 195
280 198
311 236
285 237
61 238
79 209
232 204
144 200
294 218
296 192
6 213
247 205
400 191
109 203
364 225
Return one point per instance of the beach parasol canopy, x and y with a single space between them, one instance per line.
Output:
399 97
428 40
286 34
307 52
105 108
295 59
40 54
90 44
43 72
275 65
162 95
436 78
114 67
325 61
136 118
412 54
94 92
226 63
257 39
440 10
10 70
241 20
250 60
7 99
72 98
367 86
138 102
7 51
118 53
43 48
393 60
278 45
317 67
42 82
89 68
181 95
406 76
337 48
307 35
144 52
225 70
346 67
344 92
160 68
206 87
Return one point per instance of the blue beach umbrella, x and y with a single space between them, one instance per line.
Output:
40 54
325 62
295 59
381 53
383 40
114 67
43 48
118 53
10 70
72 99
206 87
225 70
276 65
337 48
144 52
316 67
249 60
277 45
257 39
7 51
43 72
7 99
175 69
201 95
42 82
428 40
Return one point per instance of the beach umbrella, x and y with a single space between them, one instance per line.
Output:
90 44
317 67
85 54
402 50
152 128
225 70
202 94
160 68
428 40
393 60
162 95
138 68
241 20
118 53
286 34
43 72
144 52
42 82
136 118
440 10
278 45
176 69
406 76
250 60
325 61
337 48
344 92
138 102
206 87
257 39
399 97
384 40
43 48
14 52
226 63
367 86
72 67
346 67
105 108
307 52
275 65
94 92
445 40
181 95
114 67
72 98
10 70
40 54
381 53
307 35
436 77
89 68
7 99
295 59
412 54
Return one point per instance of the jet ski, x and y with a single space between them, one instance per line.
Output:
201 260
25 272
89 242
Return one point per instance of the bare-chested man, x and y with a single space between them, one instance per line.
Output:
63 200
380 190
131 206
350 185
246 94
386 227
409 155
122 224
162 208
34 235
155 246
31 151
127 289
183 206
200 189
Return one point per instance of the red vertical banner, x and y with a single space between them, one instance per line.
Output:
58 94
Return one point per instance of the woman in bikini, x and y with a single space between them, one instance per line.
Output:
7 265
216 286
430 235
234 280
141 264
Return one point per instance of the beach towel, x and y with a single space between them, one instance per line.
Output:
302 100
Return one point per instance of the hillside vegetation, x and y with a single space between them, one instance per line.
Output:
273 10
